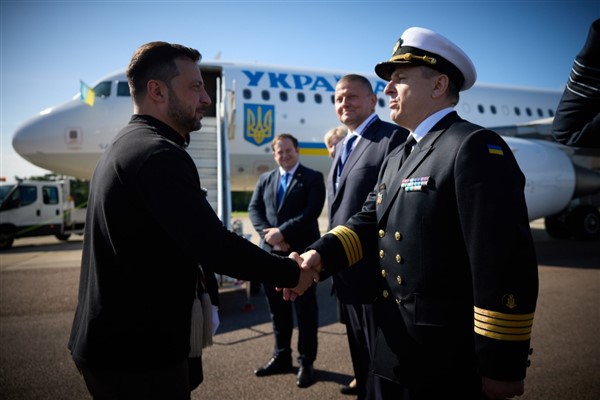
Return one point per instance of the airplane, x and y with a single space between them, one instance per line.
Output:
252 103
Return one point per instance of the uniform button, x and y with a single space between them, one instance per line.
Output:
398 258
397 235
399 280
386 294
383 273
381 233
381 253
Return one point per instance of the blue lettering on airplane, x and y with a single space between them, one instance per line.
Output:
259 123
283 80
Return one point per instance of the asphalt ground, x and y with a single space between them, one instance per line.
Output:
38 291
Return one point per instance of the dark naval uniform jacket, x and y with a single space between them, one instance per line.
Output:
456 257
360 285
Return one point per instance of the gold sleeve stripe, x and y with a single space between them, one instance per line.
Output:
499 315
499 336
498 321
350 242
502 326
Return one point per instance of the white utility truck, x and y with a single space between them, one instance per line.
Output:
38 208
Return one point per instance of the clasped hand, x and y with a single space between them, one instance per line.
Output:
310 267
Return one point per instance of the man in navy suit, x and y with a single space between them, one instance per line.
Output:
448 222
284 210
368 142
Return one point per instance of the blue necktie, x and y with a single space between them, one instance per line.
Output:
283 182
346 152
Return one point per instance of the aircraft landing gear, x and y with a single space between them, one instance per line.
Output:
581 222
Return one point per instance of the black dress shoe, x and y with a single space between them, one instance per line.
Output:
306 376
349 390
276 365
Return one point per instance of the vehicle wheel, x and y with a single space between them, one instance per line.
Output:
584 222
556 226
6 240
63 236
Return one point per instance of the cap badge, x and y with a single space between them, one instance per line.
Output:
397 46
410 56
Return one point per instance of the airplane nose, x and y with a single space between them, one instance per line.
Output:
26 138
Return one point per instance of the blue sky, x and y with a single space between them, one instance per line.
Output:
48 46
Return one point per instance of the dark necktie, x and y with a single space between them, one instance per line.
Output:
408 145
283 182
346 152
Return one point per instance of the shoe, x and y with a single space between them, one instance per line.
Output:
276 365
350 389
306 376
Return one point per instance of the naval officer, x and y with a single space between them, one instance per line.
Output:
448 221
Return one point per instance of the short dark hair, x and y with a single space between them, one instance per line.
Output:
358 78
282 136
156 60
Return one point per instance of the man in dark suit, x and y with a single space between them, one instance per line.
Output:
284 210
448 221
368 142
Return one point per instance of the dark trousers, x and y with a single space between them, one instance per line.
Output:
307 315
173 382
361 331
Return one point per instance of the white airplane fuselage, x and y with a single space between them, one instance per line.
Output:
259 102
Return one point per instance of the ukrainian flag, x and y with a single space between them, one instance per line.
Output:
495 149
87 94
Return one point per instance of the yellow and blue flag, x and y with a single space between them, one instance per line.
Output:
87 94
495 149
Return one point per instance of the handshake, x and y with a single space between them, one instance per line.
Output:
310 267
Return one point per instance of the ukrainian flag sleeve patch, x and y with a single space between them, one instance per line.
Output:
495 149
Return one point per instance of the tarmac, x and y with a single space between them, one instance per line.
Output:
38 292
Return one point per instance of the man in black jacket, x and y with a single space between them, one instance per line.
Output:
149 226
284 210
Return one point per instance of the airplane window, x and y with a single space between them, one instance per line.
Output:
283 96
102 89
247 94
265 95
528 111
517 111
318 98
551 112
381 102
332 99
480 108
301 97
123 89
493 109
540 112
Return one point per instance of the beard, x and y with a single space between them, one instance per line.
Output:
181 116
